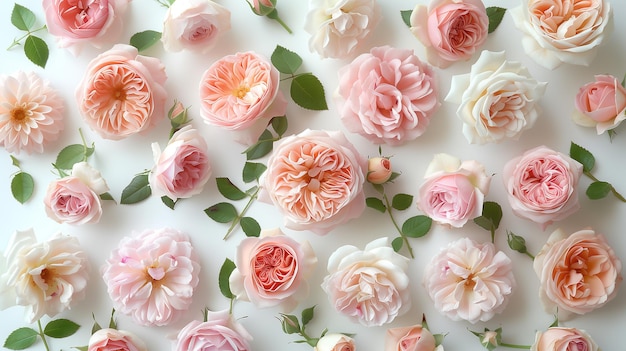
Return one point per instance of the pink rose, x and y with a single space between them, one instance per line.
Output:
256 5
542 185
115 340
240 93
578 273
122 93
413 338
315 179
601 104
450 30
219 332
453 191
378 170
563 339
335 342
387 96
272 270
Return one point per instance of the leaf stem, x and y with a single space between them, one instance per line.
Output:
42 335
243 212
16 42
514 346
395 224
615 193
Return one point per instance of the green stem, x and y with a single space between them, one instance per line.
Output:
28 33
240 215
530 255
42 335
82 137
615 193
515 346
493 234
230 307
395 224
274 15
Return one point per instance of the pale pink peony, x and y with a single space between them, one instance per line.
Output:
601 104
335 342
122 93
387 95
31 113
220 332
152 276
563 339
379 170
315 179
108 339
470 281
413 338
369 286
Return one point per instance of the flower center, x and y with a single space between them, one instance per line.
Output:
18 115
241 91
119 94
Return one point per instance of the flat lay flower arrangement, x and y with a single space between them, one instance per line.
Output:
324 174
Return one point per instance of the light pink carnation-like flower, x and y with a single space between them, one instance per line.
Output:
470 281
387 95
563 339
47 277
220 332
31 113
315 179
152 276
108 339
601 104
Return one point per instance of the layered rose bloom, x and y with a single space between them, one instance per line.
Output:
413 338
46 277
369 286
450 30
497 100
122 93
601 104
387 95
557 31
219 332
152 275
108 339
470 281
542 185
563 339
272 270
335 342
578 273
315 179
31 113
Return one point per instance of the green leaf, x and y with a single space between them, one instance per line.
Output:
72 154
96 326
22 18
227 269
262 147
112 323
60 328
36 50
21 338
280 124
286 61
416 226
307 315
222 212
583 156
308 92
138 190
598 190
397 243
22 187
290 324
495 15
250 226
14 161
491 216
252 171
484 223
169 202
228 189
401 201
106 197
144 40
376 203
406 17
81 348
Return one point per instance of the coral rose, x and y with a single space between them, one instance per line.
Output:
219 332
413 338
379 170
563 339
335 342
108 339
601 104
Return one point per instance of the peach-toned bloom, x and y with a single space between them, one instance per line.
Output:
578 273
315 179
152 276
378 170
47 278
220 332
122 93
601 104
470 281
563 339
108 339
413 338
335 342
387 95
31 113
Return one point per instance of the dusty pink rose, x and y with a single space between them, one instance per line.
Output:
370 286
563 339
240 93
450 30
108 339
413 338
315 179
470 281
256 5
578 273
542 185
453 191
335 342
152 276
601 104
122 93
379 170
272 270
220 332
387 95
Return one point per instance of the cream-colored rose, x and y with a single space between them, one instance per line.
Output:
335 342
563 339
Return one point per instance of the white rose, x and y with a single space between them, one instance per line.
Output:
335 342
90 177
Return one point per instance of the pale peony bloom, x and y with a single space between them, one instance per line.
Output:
563 339
337 27
379 170
47 278
31 113
370 286
335 342
497 100
122 93
220 332
470 281
108 339
601 104
151 276
315 179
413 338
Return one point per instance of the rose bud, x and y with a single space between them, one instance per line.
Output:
378 170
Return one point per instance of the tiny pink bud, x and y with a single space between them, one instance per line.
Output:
490 338
261 7
177 110
378 170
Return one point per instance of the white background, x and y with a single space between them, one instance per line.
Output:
119 161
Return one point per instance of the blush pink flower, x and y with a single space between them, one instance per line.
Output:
387 95
220 332
315 179
152 276
379 170
601 104
108 339
563 339
413 338
470 281
31 113
335 342
122 93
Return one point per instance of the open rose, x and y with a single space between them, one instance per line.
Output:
578 273
498 99
219 332
335 342
601 104
387 95
563 339
413 338
450 30
108 339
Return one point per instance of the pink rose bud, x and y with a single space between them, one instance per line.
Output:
262 7
177 111
378 170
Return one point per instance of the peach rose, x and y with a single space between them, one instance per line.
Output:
115 340
450 30
601 104
122 93
335 342
563 339
220 332
413 338
378 170
578 273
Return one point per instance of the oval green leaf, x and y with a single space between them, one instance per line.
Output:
252 171
495 15
308 92
21 338
223 279
416 226
376 203
138 190
228 189
250 226
36 50
22 187
401 201
285 61
280 124
22 18
598 190
583 156
222 212
307 315
406 17
262 147
167 201
60 328
72 154
144 40
396 244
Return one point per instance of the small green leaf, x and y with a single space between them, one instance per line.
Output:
290 324
376 203
144 40
223 279
81 348
222 212
263 146
96 326
307 315
36 50
495 15
228 189
396 244
484 223
583 156
416 226
401 201
280 124
21 338
250 226
60 328
598 190
14 161
406 17
491 216
252 171
168 201
138 190
22 187
286 61
22 18
106 197
112 323
72 154
308 92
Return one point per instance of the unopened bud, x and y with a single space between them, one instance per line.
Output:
378 170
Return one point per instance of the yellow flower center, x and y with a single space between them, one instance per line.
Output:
18 115
241 91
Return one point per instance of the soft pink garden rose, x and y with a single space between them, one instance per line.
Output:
542 185
108 339
470 281
387 95
563 339
335 342
220 332
31 113
315 179
272 270
370 286
453 191
194 25
379 170
122 93
450 30
152 275
47 277
601 104
578 273
413 338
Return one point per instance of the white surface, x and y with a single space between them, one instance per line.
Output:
119 161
